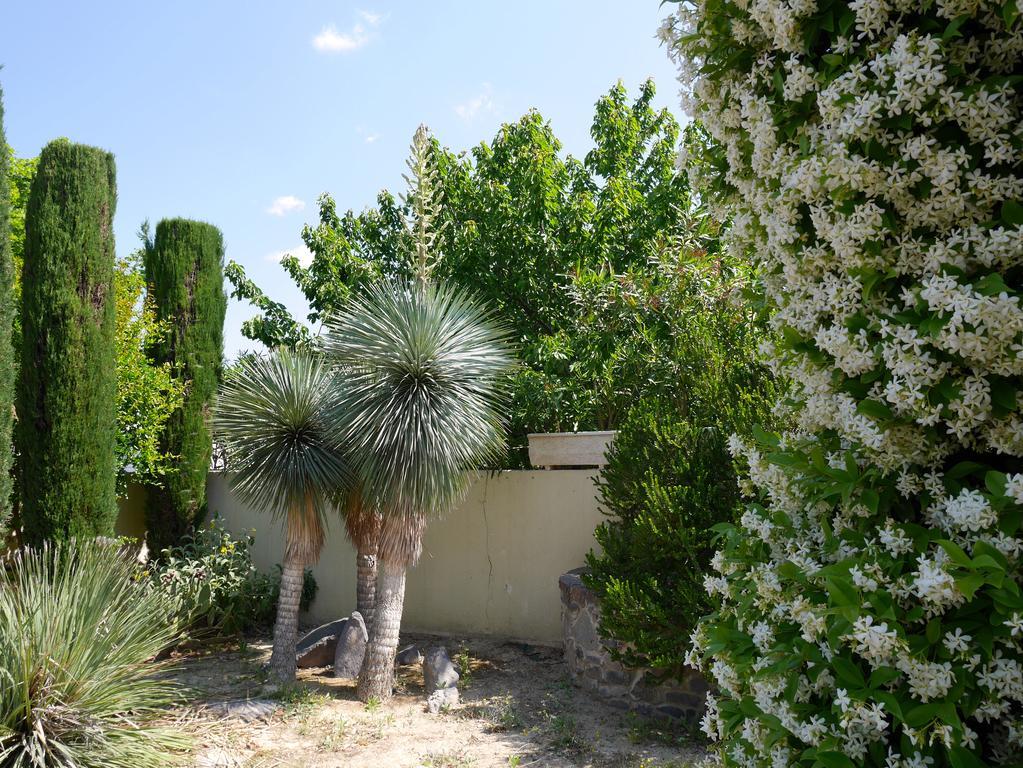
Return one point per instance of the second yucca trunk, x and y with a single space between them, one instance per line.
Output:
376 680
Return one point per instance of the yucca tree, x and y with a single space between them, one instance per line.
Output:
419 407
286 458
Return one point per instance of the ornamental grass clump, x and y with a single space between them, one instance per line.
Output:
867 607
78 684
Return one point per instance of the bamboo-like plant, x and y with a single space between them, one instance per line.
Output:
78 687
274 415
419 407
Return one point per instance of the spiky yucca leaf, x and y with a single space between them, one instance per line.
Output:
285 456
78 688
420 403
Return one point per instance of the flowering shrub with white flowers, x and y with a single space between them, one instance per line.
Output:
868 605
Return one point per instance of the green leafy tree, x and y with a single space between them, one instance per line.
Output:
520 225
66 431
7 313
184 271
148 393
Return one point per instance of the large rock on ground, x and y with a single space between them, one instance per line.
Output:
441 700
408 657
438 671
351 647
245 709
317 648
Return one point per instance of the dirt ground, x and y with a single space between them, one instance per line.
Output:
517 708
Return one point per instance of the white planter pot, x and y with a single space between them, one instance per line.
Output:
569 449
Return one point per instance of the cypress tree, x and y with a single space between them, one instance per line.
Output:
184 269
6 318
66 430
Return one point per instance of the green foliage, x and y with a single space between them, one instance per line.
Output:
7 313
148 393
525 229
687 334
66 432
78 688
212 586
184 270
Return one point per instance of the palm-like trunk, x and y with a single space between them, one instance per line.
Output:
282 660
363 524
366 583
376 680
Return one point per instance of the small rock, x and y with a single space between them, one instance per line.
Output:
351 647
245 709
317 648
441 699
438 671
408 657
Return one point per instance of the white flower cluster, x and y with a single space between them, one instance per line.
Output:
874 156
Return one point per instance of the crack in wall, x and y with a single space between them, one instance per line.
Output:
490 561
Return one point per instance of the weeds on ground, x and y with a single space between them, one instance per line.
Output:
298 700
464 662
372 704
501 712
447 760
334 738
670 733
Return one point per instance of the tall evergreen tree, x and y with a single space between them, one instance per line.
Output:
6 318
66 430
184 268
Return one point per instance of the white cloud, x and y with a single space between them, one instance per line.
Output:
330 40
371 138
303 254
482 104
284 205
371 18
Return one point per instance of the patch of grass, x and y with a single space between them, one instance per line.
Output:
447 760
297 699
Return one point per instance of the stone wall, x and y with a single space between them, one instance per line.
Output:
591 666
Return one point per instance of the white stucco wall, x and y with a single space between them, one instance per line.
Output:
490 567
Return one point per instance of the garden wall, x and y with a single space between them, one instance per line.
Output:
490 567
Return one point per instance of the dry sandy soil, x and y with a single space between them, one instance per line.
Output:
517 709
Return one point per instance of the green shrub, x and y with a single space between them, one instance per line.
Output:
78 688
668 482
669 478
66 429
184 269
212 586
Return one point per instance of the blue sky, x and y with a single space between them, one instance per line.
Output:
241 114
